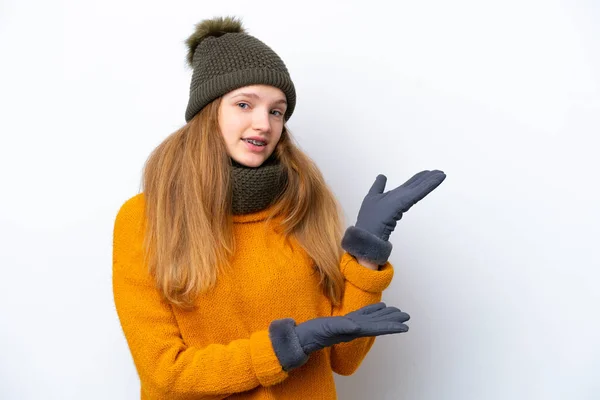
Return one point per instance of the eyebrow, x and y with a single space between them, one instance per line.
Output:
255 96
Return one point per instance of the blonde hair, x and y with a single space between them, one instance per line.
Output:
189 225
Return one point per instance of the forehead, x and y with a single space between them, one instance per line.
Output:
260 91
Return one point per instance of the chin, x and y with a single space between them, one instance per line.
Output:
252 162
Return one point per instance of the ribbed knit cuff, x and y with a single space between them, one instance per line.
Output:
287 344
265 363
363 244
364 278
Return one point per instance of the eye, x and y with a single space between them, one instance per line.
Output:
246 104
277 111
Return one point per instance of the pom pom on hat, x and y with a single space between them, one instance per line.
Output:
215 27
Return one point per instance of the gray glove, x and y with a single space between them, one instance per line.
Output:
380 211
293 343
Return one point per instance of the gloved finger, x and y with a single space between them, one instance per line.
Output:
427 186
422 177
397 316
384 328
379 184
385 311
369 309
359 317
415 177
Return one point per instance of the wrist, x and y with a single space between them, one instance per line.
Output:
364 245
286 344
368 264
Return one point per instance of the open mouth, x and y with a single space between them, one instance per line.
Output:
255 142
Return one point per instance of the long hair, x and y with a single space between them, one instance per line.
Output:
188 211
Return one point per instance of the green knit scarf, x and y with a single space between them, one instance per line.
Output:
256 188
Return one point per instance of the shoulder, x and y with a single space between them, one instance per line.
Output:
132 205
131 212
128 241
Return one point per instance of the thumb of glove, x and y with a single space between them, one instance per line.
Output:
379 185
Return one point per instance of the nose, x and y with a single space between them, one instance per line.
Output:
261 121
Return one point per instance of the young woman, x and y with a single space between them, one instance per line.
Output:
232 274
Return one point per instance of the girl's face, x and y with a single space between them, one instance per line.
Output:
252 112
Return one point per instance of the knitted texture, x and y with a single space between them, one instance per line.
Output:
255 188
223 62
222 348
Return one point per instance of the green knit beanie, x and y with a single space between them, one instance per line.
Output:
224 58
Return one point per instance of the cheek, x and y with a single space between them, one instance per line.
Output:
230 130
230 124
279 129
227 132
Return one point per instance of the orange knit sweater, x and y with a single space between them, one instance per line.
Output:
222 348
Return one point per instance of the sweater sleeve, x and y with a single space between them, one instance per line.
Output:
363 287
166 365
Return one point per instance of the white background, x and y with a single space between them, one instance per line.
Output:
498 267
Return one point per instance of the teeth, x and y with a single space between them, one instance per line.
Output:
254 142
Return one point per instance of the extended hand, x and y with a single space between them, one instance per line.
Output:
373 320
380 211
